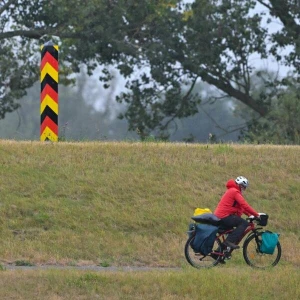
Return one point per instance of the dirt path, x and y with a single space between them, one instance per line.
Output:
89 268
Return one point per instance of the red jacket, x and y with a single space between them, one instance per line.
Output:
233 203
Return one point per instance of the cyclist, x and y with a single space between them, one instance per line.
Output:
230 209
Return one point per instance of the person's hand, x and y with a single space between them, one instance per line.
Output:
260 214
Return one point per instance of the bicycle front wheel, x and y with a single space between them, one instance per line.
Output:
197 260
255 258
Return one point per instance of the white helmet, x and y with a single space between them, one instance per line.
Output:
241 180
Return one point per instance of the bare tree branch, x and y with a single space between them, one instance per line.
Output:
212 119
231 91
37 33
184 99
265 4
6 5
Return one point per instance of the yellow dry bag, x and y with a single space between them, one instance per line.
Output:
200 211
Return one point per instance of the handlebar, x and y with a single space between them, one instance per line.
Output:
252 218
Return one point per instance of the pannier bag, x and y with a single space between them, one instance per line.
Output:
191 229
269 242
204 239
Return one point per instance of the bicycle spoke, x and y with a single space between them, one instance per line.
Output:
198 260
255 258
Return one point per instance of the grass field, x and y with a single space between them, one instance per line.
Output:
231 283
129 204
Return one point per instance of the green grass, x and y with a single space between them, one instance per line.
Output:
231 283
129 204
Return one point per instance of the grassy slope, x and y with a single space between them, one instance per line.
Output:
130 203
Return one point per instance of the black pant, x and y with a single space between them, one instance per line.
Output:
240 225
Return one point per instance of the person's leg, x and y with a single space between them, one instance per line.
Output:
240 225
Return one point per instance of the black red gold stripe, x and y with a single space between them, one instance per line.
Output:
49 92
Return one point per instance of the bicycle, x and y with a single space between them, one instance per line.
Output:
251 248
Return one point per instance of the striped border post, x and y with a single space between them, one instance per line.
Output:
49 92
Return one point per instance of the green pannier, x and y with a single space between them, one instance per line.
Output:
269 242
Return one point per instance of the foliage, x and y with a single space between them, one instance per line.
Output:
78 120
24 263
169 44
281 125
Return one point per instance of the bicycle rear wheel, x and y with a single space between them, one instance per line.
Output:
255 258
197 260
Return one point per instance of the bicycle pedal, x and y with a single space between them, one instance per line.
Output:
227 253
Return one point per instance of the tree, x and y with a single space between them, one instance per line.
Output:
282 124
288 12
169 44
91 32
211 41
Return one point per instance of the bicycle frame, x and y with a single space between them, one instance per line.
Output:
251 229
